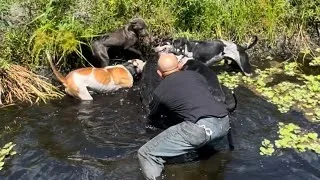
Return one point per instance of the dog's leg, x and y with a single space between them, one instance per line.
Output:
84 94
137 52
227 65
101 53
125 82
230 140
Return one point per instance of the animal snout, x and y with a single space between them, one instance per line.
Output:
158 48
144 32
163 49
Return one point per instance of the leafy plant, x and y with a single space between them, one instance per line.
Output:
6 150
285 95
267 148
315 61
229 81
292 136
290 68
64 26
62 37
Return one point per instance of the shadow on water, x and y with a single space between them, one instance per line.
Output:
69 139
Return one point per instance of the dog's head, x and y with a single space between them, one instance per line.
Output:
164 48
179 44
138 26
138 65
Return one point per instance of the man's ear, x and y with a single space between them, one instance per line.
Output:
159 72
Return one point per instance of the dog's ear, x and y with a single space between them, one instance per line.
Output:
137 21
133 62
131 25
169 41
183 41
132 22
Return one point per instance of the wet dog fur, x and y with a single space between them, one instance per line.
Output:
125 37
210 52
107 79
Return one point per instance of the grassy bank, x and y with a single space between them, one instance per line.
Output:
27 28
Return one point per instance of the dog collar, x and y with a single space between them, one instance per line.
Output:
132 69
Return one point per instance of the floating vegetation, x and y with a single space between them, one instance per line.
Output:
292 136
6 151
229 81
286 95
267 148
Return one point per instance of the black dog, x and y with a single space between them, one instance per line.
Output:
210 52
125 37
150 80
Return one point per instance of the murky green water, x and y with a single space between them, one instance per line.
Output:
69 139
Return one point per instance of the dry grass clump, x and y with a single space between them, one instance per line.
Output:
19 83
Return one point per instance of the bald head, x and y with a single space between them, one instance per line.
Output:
168 63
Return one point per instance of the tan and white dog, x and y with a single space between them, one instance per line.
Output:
107 79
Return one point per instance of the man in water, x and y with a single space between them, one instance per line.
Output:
184 95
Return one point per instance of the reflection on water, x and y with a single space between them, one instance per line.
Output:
69 139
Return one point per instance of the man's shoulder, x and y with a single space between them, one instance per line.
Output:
190 74
186 73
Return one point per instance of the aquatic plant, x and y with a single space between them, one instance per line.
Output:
229 81
292 136
285 94
291 68
267 148
6 151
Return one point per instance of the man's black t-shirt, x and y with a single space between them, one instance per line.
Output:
186 95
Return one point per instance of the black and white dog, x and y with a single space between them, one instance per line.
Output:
210 52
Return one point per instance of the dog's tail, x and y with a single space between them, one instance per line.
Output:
60 77
254 42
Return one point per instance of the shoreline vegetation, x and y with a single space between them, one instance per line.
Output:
288 32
